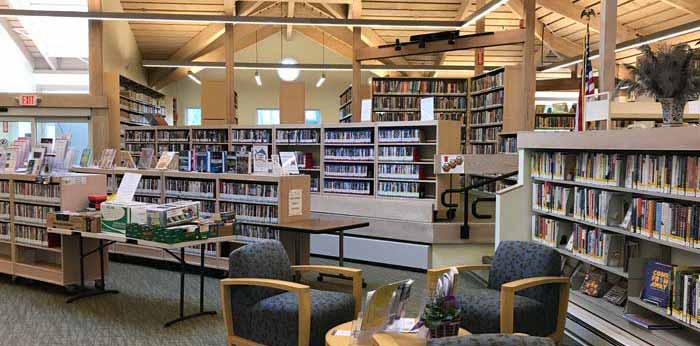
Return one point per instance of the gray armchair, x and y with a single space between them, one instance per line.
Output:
525 292
262 304
492 340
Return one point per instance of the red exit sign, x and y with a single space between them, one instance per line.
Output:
28 100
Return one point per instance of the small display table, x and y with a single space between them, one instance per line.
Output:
379 339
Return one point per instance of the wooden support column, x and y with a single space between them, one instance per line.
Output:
529 74
479 52
100 126
356 107
608 34
229 52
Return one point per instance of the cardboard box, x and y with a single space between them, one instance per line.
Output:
86 221
172 214
116 215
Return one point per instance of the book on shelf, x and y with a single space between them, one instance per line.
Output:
248 192
337 185
598 246
348 136
400 135
260 156
399 189
187 160
551 232
167 160
419 86
399 153
656 288
190 187
251 135
217 161
291 136
349 153
36 160
288 161
86 157
347 170
107 158
650 321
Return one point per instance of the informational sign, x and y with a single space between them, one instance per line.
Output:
366 110
127 188
260 154
427 109
295 202
451 164
28 100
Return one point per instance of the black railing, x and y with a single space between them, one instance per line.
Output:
464 229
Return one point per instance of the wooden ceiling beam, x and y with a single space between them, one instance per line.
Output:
290 14
502 38
248 7
18 41
688 6
313 1
573 12
560 45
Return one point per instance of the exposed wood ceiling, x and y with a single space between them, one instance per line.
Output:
559 27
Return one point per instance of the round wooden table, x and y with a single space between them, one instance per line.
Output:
379 339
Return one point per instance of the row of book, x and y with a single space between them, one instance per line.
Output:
137 147
485 100
31 235
251 212
209 147
256 231
190 188
552 198
552 165
672 222
492 187
482 149
423 86
147 199
551 232
251 135
508 144
4 188
4 210
348 136
253 192
214 162
596 245
346 96
347 170
148 185
349 153
32 213
399 189
484 133
177 147
400 171
384 102
30 190
173 135
142 97
397 116
210 135
398 153
487 82
490 116
304 159
598 206
132 106
139 135
344 112
400 135
298 136
553 122
4 231
345 186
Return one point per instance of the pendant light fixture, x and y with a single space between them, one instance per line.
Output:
323 56
287 74
258 81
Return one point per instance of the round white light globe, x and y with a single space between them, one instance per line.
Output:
288 74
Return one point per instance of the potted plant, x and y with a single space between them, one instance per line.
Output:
442 316
668 74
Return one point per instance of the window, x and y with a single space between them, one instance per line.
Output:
268 116
271 116
193 117
312 117
79 131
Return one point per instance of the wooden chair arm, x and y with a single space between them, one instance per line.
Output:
508 301
304 298
434 274
355 274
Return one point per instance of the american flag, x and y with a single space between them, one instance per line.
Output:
587 83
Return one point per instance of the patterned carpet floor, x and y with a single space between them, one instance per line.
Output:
33 313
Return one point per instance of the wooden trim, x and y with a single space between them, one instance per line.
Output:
304 303
502 38
508 301
56 100
355 274
434 274
667 139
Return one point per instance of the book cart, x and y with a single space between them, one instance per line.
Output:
602 189
26 249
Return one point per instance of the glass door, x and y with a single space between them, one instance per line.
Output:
77 128
13 128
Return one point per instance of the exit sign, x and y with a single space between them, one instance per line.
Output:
28 100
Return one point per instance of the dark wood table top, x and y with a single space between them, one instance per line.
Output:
321 225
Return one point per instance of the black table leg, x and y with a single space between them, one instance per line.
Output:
183 267
341 261
99 289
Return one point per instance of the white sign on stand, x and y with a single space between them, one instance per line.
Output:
427 109
366 110
127 188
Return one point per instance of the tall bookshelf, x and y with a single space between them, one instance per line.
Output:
494 114
26 248
607 175
398 99
305 142
348 159
139 103
259 202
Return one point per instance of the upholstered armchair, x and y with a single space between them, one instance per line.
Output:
525 293
492 340
263 306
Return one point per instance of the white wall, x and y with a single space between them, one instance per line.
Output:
252 97
15 70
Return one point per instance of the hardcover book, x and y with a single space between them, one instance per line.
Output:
657 283
86 157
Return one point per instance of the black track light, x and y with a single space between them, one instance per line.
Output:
397 45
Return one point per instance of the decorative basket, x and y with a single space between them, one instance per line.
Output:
445 329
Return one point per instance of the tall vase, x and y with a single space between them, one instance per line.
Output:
672 110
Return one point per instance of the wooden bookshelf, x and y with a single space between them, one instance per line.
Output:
26 248
398 99
348 159
345 108
212 190
535 146
305 142
494 111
